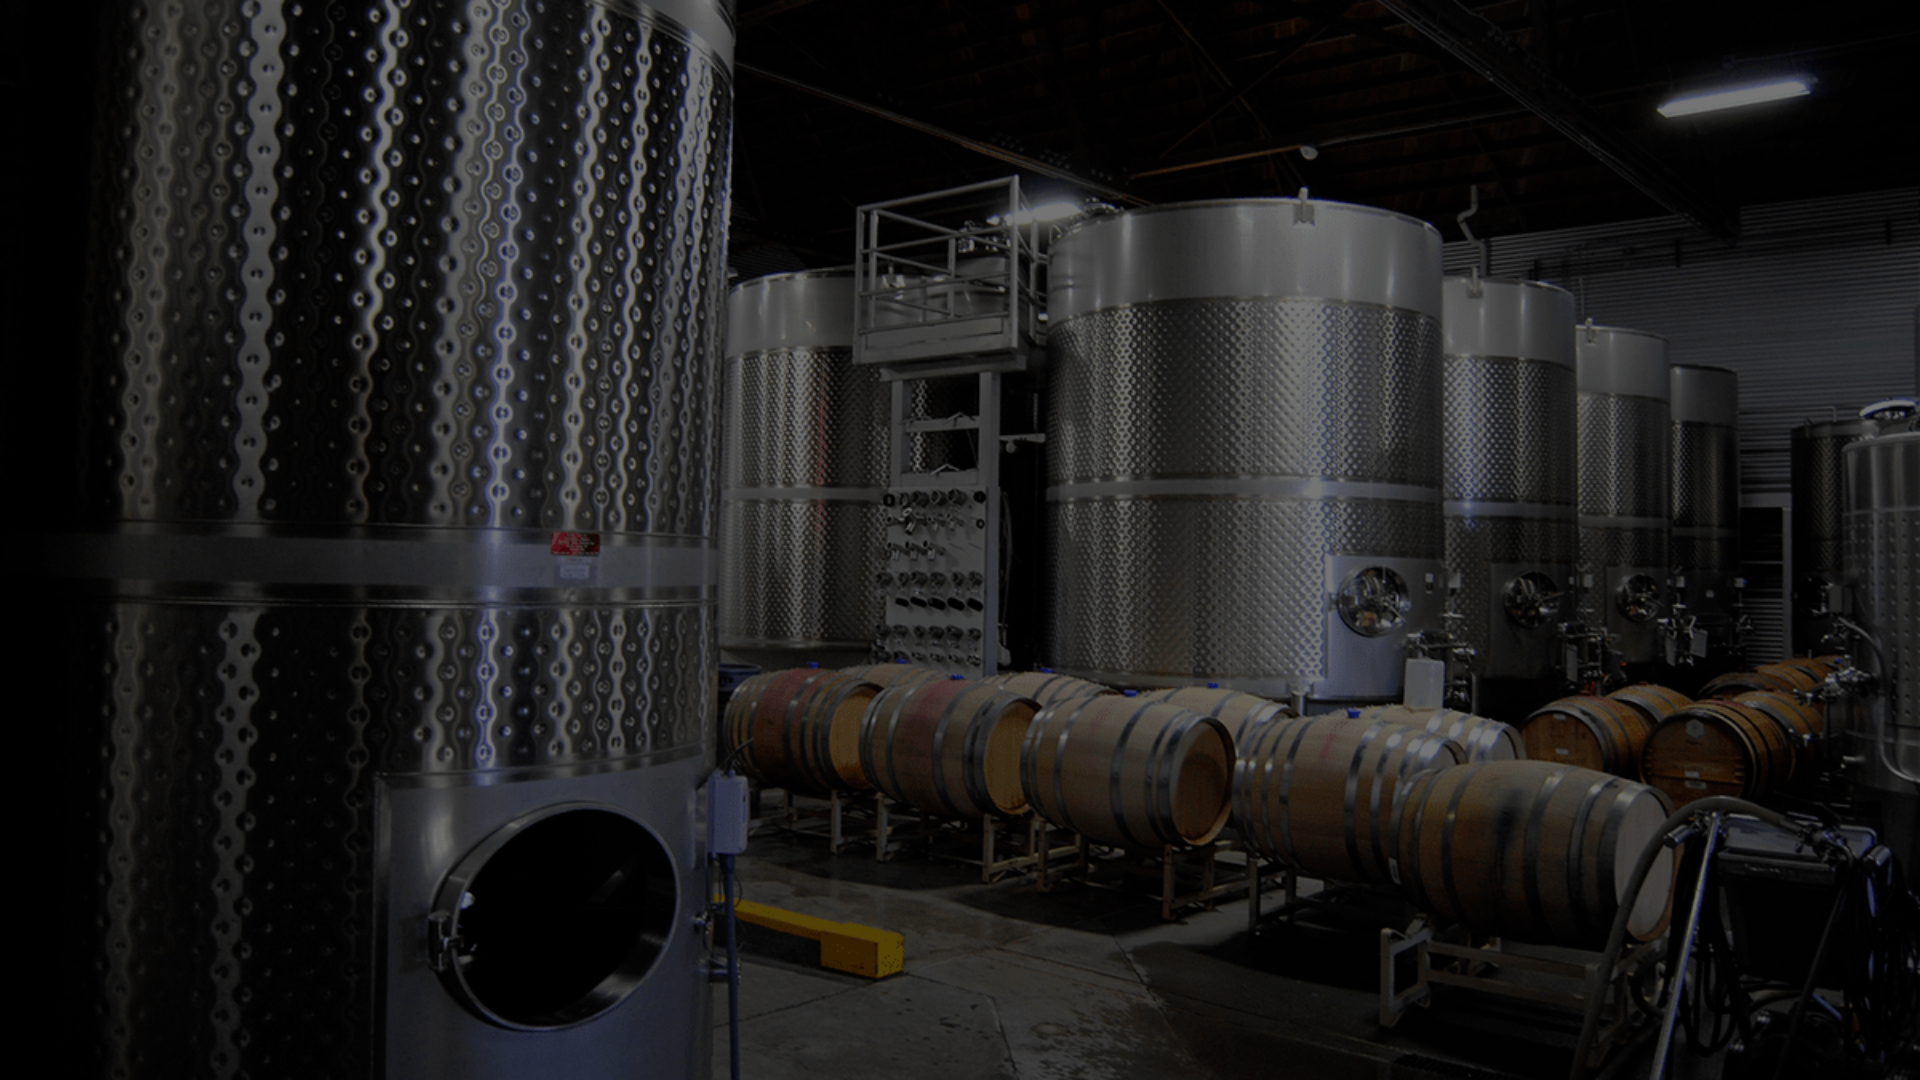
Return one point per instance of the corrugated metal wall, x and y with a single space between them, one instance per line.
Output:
1816 307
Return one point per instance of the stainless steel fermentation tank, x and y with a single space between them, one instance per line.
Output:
1704 494
1818 553
1508 474
1623 462
392 648
1242 448
1882 523
1883 545
804 467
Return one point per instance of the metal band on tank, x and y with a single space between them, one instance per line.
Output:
370 563
1529 511
1273 487
803 494
1530 861
1630 524
1485 358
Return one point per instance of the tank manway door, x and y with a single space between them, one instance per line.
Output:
948 290
553 919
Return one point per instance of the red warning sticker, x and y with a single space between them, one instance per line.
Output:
576 543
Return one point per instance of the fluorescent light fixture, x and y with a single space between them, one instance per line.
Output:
1734 98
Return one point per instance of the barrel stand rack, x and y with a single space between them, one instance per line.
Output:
1009 844
1561 979
844 820
1180 878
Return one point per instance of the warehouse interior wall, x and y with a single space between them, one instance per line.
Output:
1814 306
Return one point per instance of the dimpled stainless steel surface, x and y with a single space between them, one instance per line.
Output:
1819 522
798 575
1883 539
1487 552
803 467
1507 473
1623 458
435 270
1240 408
1883 542
1267 394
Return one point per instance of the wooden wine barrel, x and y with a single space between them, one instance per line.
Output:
1127 771
1816 668
894 674
1777 678
1717 748
1483 738
1589 732
799 729
1047 687
1241 713
1656 703
1320 793
1533 851
950 747
1803 723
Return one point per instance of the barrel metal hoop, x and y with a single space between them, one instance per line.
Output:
1594 722
1290 853
1351 790
1413 879
823 738
973 749
1530 863
1583 916
893 727
1609 847
1060 765
1448 885
1114 803
788 731
1415 748
939 749
1169 748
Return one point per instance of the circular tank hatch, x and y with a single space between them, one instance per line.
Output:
554 918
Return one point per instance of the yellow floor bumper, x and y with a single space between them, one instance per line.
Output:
849 947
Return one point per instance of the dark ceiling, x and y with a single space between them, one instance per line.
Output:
845 102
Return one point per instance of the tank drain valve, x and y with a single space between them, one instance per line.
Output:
445 946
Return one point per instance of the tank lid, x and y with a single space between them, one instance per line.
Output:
1617 361
804 310
1704 395
1241 249
1507 317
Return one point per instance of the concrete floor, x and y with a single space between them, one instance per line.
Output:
1084 983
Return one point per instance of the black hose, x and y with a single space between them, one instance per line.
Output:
1617 936
733 967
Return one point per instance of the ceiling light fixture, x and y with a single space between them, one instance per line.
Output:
1735 97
